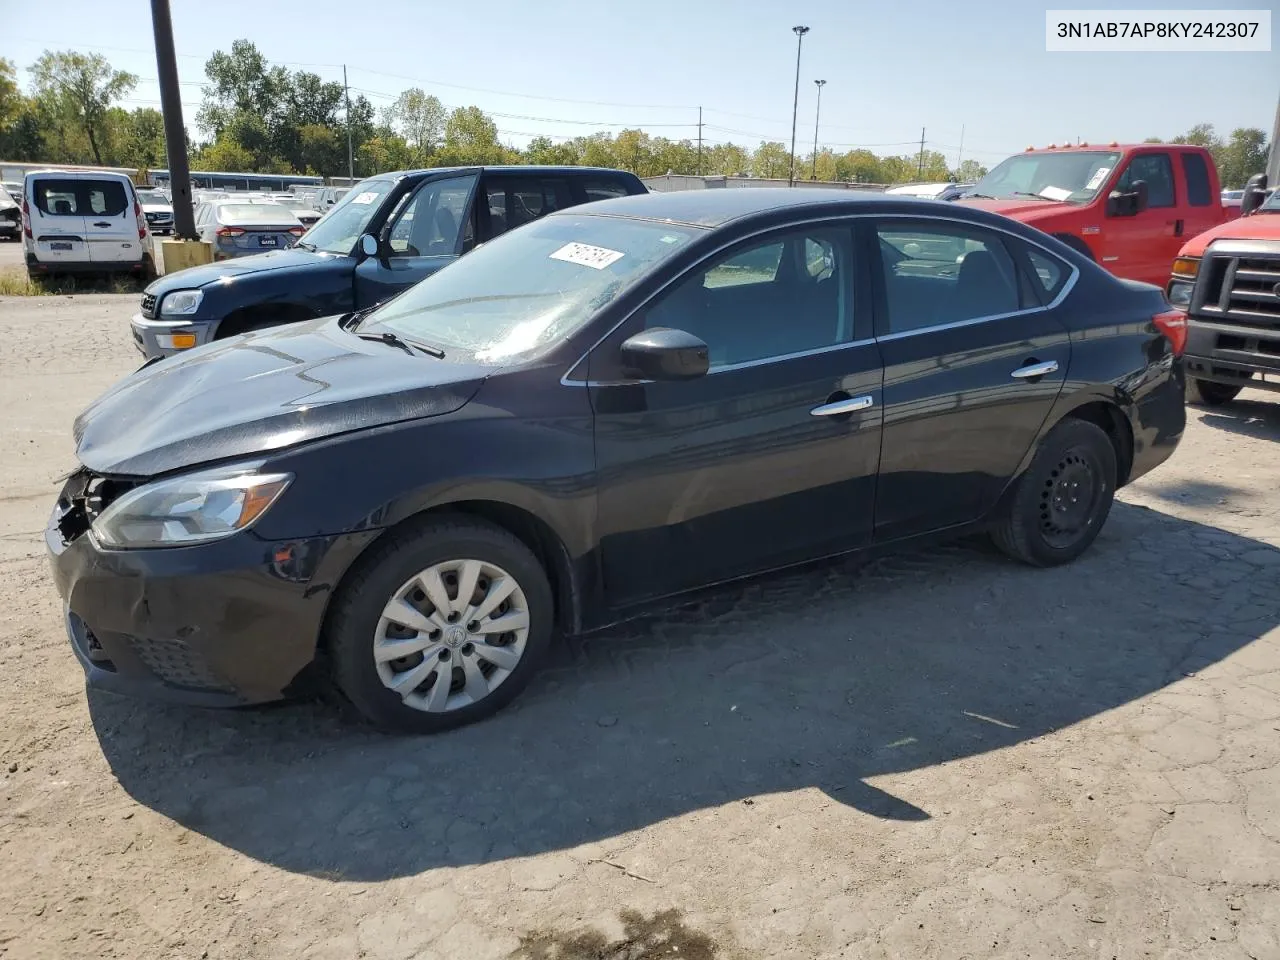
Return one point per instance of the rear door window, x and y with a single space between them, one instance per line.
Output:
72 198
604 188
1197 173
515 201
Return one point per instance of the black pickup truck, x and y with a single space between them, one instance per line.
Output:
386 234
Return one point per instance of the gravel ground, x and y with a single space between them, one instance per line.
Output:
936 754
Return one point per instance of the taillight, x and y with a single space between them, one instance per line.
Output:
142 221
230 232
26 218
1173 324
297 231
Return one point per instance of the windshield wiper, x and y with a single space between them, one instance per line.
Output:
306 246
1023 193
977 196
408 346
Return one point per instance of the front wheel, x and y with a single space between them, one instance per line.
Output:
1211 394
442 626
1063 499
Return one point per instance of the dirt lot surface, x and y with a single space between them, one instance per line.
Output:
938 754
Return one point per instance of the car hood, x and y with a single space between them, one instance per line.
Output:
263 391
156 208
227 271
1257 226
1025 211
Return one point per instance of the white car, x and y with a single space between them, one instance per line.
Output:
83 222
242 227
930 191
158 211
328 196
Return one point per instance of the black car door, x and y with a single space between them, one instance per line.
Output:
769 458
973 361
427 231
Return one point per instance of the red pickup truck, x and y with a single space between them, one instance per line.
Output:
1228 281
1127 207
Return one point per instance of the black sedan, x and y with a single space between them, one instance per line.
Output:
587 416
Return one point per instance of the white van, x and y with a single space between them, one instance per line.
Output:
83 222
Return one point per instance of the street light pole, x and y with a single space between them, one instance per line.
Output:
816 113
795 103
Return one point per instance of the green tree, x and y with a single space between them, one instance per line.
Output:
770 160
675 156
1201 135
419 118
596 150
471 136
970 171
859 166
12 103
542 150
226 154
726 159
1243 155
321 148
80 88
386 151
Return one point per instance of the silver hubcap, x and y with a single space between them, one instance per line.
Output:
451 635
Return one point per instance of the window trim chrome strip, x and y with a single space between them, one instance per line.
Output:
834 219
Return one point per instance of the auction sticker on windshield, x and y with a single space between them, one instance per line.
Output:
1055 193
597 258
367 197
1098 176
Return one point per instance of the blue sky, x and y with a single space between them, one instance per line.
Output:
561 67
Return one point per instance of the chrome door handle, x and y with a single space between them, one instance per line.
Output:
1031 371
852 405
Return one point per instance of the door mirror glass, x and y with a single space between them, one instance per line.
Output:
664 354
1255 192
368 245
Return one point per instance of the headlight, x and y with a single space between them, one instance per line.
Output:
181 303
191 509
1179 293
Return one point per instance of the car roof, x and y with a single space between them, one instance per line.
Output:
520 169
716 207
80 174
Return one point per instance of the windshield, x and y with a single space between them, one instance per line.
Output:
1074 176
1272 203
338 230
532 287
151 196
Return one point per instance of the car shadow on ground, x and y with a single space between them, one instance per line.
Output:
821 677
1247 416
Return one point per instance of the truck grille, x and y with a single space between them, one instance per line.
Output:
1242 289
149 305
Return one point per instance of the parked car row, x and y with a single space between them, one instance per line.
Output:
548 429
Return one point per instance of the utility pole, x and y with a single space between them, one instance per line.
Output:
351 161
920 165
795 103
817 112
960 155
699 141
175 134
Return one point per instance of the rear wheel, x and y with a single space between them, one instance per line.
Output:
443 626
1211 394
1063 499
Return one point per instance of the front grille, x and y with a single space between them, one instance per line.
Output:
84 496
149 305
1242 289
158 217
176 663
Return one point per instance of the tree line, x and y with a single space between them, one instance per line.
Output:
269 119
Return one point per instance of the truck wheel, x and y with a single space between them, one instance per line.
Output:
1076 244
1207 393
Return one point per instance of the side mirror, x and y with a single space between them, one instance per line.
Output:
1128 203
368 246
664 354
1255 192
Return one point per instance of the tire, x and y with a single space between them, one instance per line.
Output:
1044 526
1209 393
358 626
